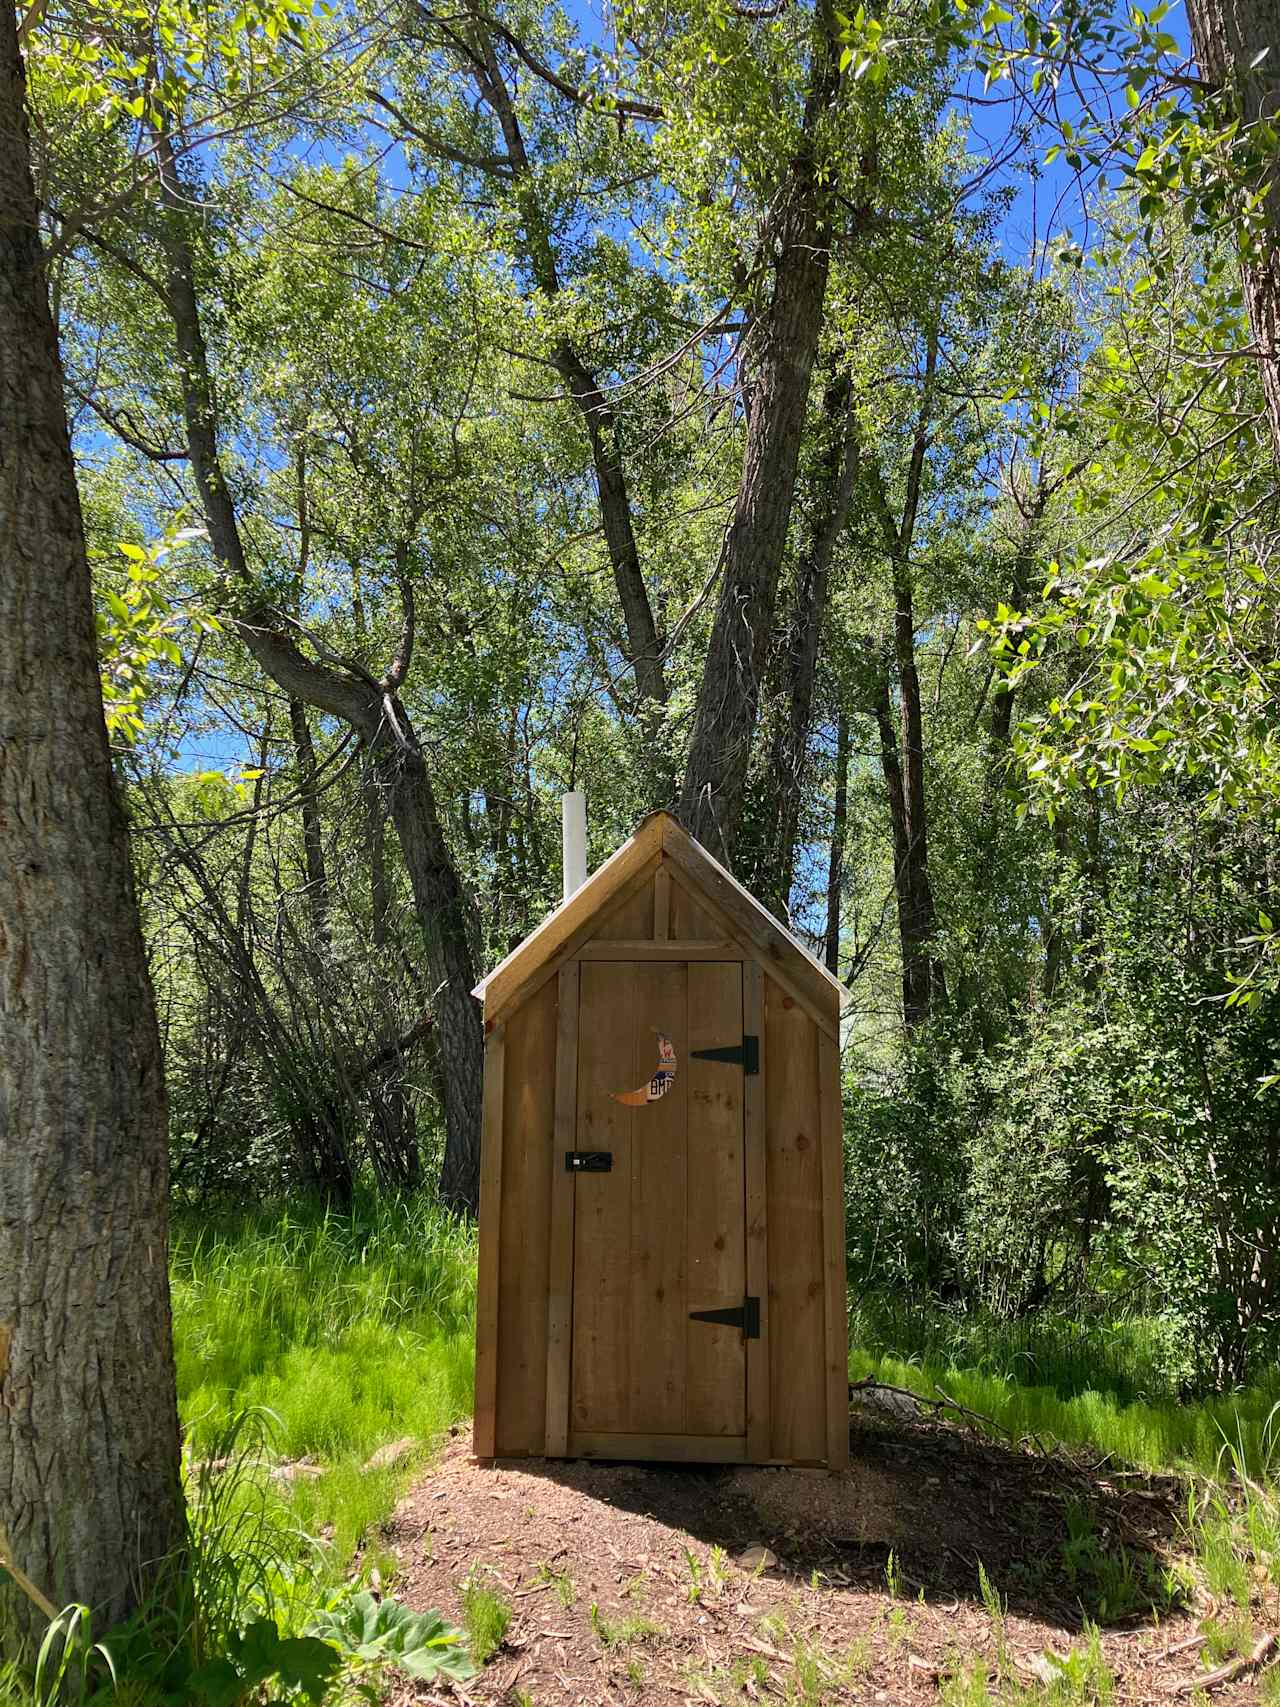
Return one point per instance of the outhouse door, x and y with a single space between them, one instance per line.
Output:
661 1320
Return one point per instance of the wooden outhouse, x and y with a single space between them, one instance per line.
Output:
662 1266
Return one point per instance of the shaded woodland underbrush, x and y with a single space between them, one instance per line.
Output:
1099 1385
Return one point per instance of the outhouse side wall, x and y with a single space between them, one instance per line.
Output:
528 1120
807 1335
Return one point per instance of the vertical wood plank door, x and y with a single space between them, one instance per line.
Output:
662 1233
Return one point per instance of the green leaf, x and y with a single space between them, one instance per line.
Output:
216 1684
308 1664
420 1644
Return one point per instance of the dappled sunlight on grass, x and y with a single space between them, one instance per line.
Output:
1162 1435
352 1331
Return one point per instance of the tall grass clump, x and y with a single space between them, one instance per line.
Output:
1234 1520
348 1331
1160 1436
352 1330
1127 1355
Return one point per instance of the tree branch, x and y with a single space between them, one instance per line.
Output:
445 151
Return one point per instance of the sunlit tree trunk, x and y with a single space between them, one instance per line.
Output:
90 1498
783 786
1237 43
781 347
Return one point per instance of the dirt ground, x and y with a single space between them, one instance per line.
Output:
870 1591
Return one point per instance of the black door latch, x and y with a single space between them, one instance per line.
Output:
588 1161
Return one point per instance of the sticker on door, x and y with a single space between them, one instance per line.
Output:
661 1082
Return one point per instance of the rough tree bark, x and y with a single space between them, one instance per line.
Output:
90 1499
783 343
370 705
1237 44
923 984
832 492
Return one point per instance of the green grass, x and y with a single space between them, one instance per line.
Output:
1132 1357
1164 1435
486 1615
351 1331
305 1335
622 1632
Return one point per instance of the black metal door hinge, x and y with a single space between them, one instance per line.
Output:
588 1161
746 1317
747 1053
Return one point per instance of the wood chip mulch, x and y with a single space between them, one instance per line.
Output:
620 1597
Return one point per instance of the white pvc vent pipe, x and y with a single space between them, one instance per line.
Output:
573 825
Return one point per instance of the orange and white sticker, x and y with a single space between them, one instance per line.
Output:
661 1082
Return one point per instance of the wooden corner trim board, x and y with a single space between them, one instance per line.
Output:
749 920
833 1244
623 948
486 1399
759 1423
560 1264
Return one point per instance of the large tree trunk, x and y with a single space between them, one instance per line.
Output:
90 1497
372 707
923 984
1237 43
789 749
783 345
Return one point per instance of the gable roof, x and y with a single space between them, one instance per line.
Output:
655 835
